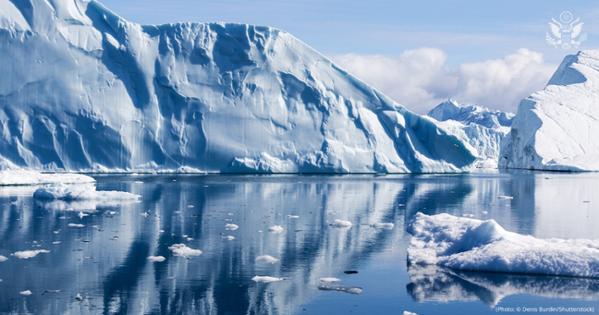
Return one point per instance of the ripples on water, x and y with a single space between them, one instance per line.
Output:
106 260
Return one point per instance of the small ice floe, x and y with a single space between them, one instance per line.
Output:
329 280
475 245
76 225
266 279
276 229
408 313
28 254
182 250
79 297
505 197
267 259
231 227
190 206
145 214
26 293
339 288
3 258
31 178
229 237
383 226
83 192
343 224
293 216
156 258
56 243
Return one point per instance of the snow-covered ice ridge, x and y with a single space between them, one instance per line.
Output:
470 244
86 90
480 127
33 178
557 128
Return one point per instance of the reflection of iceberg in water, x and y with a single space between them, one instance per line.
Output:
114 274
437 284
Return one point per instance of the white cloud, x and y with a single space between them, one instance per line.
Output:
420 78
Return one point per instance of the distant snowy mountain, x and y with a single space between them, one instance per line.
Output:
466 114
557 128
84 90
478 126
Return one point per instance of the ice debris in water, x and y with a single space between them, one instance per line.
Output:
276 229
229 237
384 226
505 197
76 225
182 250
26 293
266 279
329 279
156 258
81 192
267 259
231 227
470 244
341 224
3 258
28 254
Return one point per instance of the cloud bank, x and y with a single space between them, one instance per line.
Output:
420 78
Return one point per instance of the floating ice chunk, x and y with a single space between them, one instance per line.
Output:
339 288
293 216
384 226
156 258
82 192
29 178
470 244
182 250
267 259
505 197
28 254
409 313
76 225
231 227
229 237
3 258
329 280
341 224
26 293
276 229
266 279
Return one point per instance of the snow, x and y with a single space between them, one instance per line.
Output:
267 259
555 128
182 250
231 227
156 258
341 224
26 293
3 258
194 97
82 192
28 254
31 178
277 229
266 279
481 128
470 244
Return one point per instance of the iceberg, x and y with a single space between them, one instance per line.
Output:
480 127
555 128
86 90
475 245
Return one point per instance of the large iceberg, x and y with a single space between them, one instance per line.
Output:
556 128
480 127
85 90
475 245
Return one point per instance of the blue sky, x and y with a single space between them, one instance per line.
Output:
492 53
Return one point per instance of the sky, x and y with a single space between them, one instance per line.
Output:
492 53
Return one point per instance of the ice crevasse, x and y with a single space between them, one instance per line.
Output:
85 90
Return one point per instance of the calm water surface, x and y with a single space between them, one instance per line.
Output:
106 260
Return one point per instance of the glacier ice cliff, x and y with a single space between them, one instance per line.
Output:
556 128
85 90
480 127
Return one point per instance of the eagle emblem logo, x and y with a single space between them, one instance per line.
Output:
566 31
